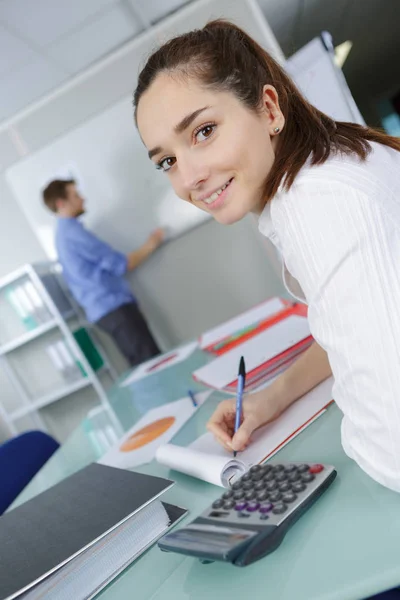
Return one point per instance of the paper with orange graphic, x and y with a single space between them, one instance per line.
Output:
139 445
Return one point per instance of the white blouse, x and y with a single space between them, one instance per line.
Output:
338 230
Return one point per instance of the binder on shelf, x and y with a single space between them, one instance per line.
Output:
18 304
74 538
40 310
86 344
71 368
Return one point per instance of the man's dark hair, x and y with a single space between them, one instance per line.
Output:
55 190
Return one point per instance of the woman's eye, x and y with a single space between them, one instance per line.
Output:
204 133
166 163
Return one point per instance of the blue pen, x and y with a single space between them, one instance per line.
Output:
191 396
239 395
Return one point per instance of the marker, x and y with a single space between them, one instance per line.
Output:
193 399
239 395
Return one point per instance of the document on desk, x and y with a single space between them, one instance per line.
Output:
246 319
265 354
159 363
158 426
206 459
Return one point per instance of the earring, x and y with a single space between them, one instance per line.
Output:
276 130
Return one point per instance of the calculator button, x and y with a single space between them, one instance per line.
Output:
228 504
284 487
307 477
316 468
259 485
298 486
263 495
264 517
253 506
275 496
295 476
248 485
255 468
249 495
266 507
279 508
237 485
287 497
266 469
280 476
257 475
278 468
238 494
290 468
218 503
240 506
227 495
269 476
245 477
302 468
271 485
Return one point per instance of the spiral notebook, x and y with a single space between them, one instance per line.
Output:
206 459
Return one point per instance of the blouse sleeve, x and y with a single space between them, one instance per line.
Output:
344 249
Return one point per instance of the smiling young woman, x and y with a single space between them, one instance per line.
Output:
234 135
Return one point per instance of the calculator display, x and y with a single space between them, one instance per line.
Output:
208 539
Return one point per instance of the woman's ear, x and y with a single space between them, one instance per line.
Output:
60 203
271 108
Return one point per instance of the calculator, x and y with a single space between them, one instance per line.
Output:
249 520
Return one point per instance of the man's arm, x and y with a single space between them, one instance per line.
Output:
136 257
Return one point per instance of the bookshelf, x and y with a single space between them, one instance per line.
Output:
38 315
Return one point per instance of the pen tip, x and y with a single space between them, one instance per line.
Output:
234 453
242 368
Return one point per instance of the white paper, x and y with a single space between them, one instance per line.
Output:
246 319
264 346
206 459
213 468
84 576
138 446
160 362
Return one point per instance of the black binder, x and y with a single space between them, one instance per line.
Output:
46 532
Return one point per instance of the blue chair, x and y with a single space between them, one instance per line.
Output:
390 595
20 459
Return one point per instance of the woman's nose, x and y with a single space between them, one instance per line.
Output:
193 175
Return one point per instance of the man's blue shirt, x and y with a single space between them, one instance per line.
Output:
93 271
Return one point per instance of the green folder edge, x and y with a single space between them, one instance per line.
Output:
89 349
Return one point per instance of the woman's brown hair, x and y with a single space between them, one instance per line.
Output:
221 56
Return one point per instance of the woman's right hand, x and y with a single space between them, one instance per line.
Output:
257 410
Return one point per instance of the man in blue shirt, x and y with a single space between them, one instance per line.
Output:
94 273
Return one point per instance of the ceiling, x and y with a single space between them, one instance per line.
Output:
43 43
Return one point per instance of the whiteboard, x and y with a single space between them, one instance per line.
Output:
126 197
322 81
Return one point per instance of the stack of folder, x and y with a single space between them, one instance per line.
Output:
269 346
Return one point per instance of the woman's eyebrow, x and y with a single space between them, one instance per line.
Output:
186 121
180 127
